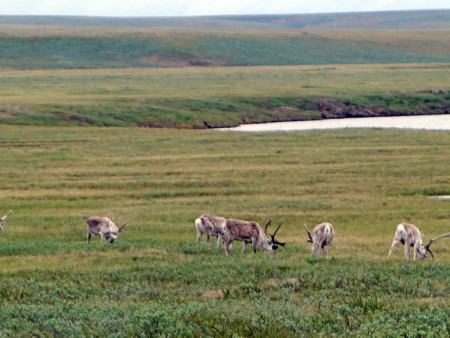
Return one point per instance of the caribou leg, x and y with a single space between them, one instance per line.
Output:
219 238
416 247
199 237
208 237
104 240
407 251
227 247
394 244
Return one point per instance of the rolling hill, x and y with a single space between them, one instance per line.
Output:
418 19
200 72
42 42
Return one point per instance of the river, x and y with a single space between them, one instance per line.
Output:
425 122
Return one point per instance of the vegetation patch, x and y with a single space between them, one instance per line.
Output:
60 87
154 282
53 48
209 97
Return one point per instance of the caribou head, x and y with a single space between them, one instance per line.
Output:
273 241
427 247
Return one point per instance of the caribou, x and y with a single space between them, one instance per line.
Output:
322 237
104 227
410 236
3 219
210 225
250 232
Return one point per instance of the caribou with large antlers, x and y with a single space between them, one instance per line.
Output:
322 237
411 236
3 219
250 232
210 225
104 228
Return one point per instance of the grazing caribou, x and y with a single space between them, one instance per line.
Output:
3 219
250 232
210 225
410 236
104 228
322 237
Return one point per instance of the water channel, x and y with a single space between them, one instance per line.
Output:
425 122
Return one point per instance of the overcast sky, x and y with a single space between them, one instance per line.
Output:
206 7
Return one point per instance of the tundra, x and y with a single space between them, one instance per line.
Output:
410 236
104 228
250 232
322 237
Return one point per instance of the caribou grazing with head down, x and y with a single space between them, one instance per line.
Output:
210 225
250 232
411 236
322 237
3 219
104 227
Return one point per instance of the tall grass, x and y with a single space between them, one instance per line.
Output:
153 281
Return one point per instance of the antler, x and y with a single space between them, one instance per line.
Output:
267 224
278 227
6 216
434 240
310 240
123 226
273 235
111 216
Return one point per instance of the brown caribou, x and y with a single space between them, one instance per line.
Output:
104 227
410 236
322 237
250 232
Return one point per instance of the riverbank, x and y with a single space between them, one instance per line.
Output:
217 97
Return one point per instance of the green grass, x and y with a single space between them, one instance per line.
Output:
177 77
78 48
59 166
221 96
153 281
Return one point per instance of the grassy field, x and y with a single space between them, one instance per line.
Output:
153 281
221 96
87 48
201 78
60 88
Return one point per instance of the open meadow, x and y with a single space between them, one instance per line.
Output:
104 119
203 77
153 281
200 97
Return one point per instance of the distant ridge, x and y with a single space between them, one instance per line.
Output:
413 19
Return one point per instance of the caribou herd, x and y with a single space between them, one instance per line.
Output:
227 230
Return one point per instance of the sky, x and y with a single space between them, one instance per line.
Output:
206 7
